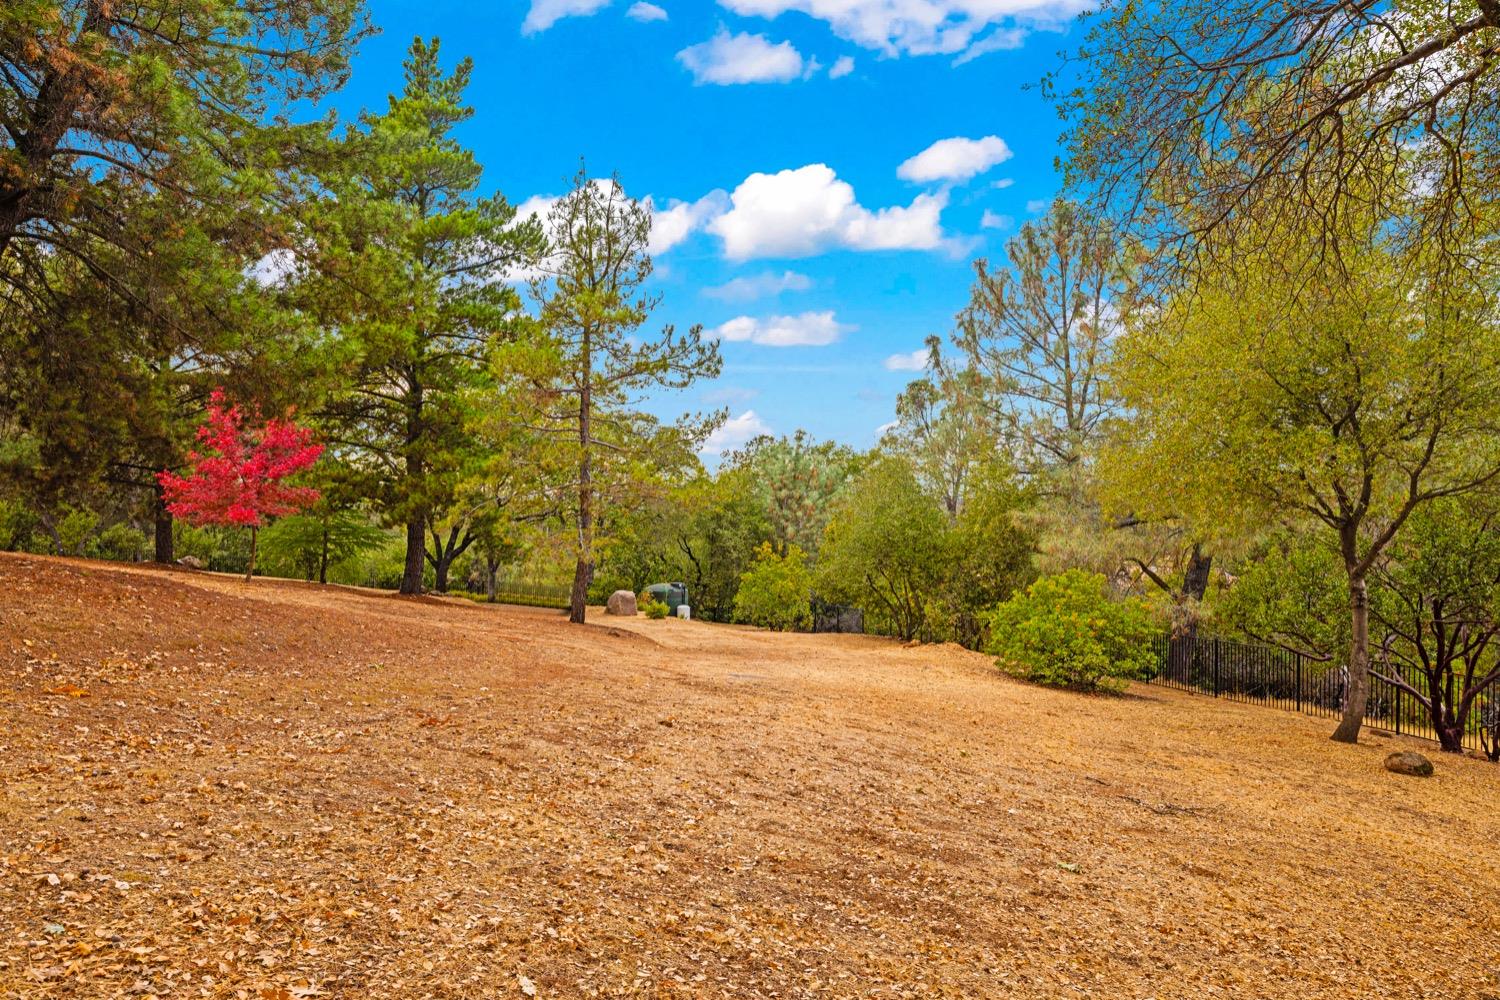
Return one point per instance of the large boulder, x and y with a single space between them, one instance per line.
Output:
1406 762
621 602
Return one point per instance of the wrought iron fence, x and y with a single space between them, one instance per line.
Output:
1267 675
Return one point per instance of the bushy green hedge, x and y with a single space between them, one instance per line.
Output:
654 609
776 592
1066 631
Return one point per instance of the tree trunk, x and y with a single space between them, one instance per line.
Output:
1357 690
491 568
583 572
416 554
1195 577
323 557
164 544
250 569
440 573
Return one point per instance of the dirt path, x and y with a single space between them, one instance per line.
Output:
274 790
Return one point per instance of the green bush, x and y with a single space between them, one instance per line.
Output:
120 543
776 591
654 609
1065 631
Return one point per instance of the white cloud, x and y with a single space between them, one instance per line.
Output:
801 212
680 219
999 40
922 27
545 13
842 66
955 159
1037 205
809 329
646 12
759 286
735 432
670 225
880 431
1003 183
916 361
993 220
743 58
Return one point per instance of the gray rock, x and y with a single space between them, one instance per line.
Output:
621 602
1406 762
191 562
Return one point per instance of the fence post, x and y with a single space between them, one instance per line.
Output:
1298 657
1216 666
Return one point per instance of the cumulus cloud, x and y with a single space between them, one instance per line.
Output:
809 329
646 12
801 212
545 13
671 223
680 219
759 286
743 58
924 27
1037 205
993 220
955 159
916 361
842 66
735 433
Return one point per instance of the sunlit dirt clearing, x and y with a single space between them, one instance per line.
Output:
274 790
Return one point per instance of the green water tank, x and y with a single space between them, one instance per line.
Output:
670 594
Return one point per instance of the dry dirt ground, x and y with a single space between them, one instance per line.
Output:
274 790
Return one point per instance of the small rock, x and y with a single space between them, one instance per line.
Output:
1406 762
621 602
191 562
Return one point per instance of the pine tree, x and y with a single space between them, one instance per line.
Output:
586 368
409 266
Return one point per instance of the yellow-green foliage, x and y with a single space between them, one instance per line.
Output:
1066 631
776 592
654 609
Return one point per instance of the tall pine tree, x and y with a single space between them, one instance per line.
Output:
410 268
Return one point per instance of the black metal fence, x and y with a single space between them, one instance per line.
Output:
1267 675
836 617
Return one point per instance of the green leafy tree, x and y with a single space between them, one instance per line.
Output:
1066 631
886 549
945 434
1436 599
587 369
1349 392
798 480
409 262
776 591
1035 339
309 544
1289 592
1207 120
991 554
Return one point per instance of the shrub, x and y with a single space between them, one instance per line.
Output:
654 609
121 543
776 591
1065 631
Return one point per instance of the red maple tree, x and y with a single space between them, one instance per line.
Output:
237 476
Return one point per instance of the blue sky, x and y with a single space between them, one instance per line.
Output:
803 211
